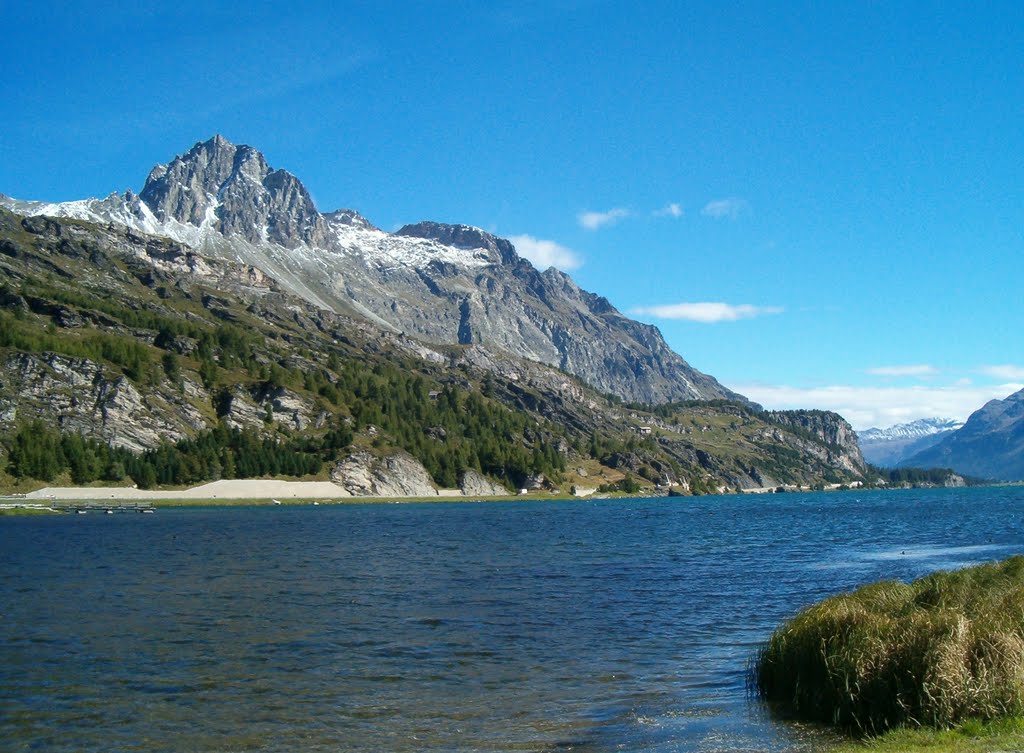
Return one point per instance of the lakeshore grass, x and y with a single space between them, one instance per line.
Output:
972 736
943 651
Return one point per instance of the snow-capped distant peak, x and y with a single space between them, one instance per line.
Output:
921 428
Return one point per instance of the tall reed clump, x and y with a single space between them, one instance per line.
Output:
945 648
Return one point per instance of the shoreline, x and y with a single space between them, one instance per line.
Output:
233 492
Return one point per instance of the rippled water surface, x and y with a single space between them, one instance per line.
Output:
586 626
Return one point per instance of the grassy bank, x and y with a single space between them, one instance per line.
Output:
943 651
973 736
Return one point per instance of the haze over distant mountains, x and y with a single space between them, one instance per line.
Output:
889 447
446 284
989 445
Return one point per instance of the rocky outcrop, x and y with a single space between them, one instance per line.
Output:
363 474
828 428
79 396
349 217
475 484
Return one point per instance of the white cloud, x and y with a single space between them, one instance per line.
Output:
867 407
1006 371
707 312
919 370
544 254
671 210
730 208
595 220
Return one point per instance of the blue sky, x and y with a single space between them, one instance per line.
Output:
818 203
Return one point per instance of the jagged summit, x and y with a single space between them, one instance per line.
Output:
351 218
441 283
233 189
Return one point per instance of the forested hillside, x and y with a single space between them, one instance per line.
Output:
127 358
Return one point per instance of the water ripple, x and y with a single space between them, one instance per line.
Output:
605 626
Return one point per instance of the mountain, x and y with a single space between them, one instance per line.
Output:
125 355
989 445
888 447
443 284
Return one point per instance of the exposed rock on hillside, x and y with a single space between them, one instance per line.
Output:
831 429
473 484
81 396
363 474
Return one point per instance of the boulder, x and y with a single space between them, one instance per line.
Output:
363 474
475 484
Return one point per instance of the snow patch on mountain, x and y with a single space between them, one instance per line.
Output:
890 447
915 429
396 251
385 250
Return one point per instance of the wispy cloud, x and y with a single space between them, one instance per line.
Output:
1006 371
670 210
544 254
918 370
708 313
729 209
866 407
595 220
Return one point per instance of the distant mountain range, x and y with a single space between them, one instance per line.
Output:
890 447
990 445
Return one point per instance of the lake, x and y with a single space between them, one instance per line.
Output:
617 625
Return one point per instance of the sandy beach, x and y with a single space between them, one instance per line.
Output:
225 489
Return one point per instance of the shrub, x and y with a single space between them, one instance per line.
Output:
936 652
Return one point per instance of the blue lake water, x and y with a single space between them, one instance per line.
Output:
623 625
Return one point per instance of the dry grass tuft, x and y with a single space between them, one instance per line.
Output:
936 652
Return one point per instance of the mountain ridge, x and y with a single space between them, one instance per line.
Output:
990 444
890 446
445 284
129 355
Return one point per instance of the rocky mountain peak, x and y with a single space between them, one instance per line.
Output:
351 218
466 286
463 236
233 190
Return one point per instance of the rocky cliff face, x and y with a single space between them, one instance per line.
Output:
474 484
443 284
80 396
830 429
